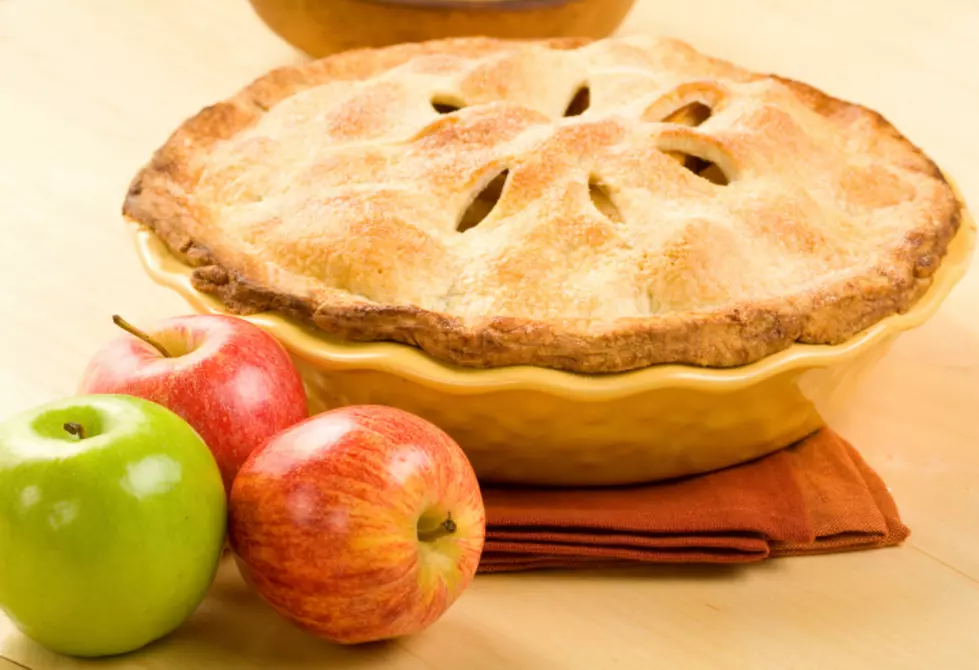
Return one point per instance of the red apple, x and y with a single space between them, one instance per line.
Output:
229 379
360 524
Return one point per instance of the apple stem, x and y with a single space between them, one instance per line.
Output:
133 330
447 527
75 429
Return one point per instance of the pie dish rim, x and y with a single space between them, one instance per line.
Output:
402 360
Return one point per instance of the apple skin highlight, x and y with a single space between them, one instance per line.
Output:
360 524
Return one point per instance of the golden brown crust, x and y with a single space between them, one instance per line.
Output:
826 199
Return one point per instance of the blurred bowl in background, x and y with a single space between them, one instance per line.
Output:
323 27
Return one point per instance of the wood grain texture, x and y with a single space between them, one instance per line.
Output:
87 90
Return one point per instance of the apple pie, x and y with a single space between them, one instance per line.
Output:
593 206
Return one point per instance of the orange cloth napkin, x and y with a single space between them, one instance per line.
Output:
816 496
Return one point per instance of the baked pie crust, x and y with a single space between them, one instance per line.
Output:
587 206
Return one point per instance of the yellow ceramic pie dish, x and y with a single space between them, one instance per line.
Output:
542 426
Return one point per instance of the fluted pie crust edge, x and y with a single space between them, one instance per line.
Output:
158 199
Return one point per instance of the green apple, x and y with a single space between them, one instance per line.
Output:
112 522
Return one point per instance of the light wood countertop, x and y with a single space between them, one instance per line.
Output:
89 89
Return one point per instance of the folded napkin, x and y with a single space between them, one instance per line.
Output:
817 496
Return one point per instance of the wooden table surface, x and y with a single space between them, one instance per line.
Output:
89 89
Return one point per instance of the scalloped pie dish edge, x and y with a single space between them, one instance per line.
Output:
542 426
